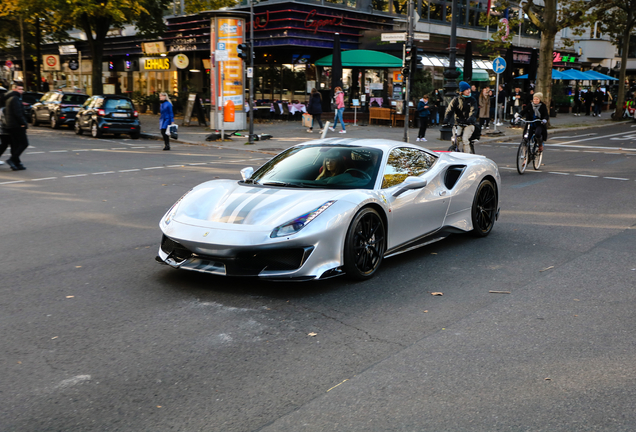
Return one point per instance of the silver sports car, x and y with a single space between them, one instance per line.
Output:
330 207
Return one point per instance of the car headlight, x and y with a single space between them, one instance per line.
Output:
295 225
173 209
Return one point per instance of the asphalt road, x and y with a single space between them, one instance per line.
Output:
99 337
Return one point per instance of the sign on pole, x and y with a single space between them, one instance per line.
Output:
499 65
421 36
393 37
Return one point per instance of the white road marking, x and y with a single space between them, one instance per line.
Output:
559 173
130 170
12 182
58 151
45 178
137 147
75 175
615 178
35 152
151 168
199 163
585 175
174 166
105 172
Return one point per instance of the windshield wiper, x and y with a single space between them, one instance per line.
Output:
283 184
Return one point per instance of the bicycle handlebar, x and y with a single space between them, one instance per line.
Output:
529 121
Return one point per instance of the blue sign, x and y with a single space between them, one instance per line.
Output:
498 65
220 46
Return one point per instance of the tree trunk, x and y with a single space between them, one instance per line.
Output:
620 99
544 72
38 61
25 82
100 28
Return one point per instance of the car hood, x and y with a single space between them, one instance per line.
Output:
229 204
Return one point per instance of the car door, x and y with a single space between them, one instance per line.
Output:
415 212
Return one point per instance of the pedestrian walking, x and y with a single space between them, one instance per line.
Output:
5 139
484 108
588 98
516 100
599 101
576 96
424 111
438 102
166 118
315 109
493 105
339 102
16 125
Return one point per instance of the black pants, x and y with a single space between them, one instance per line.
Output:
166 138
5 142
484 121
316 117
19 143
423 126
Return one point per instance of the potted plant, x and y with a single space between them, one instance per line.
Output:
140 101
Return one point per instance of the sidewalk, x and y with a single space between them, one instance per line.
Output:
288 133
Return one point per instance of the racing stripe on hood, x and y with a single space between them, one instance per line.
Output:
237 201
241 211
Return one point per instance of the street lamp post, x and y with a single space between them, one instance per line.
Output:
450 73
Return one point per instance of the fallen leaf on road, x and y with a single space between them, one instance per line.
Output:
547 268
312 334
437 293
548 379
499 292
433 253
70 296
426 311
54 337
78 266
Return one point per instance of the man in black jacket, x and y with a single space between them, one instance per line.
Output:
16 124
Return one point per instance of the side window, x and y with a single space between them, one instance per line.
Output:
405 162
98 103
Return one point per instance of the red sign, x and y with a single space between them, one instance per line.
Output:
51 61
310 21
8 64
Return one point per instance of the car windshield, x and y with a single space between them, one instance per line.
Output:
30 98
74 99
322 166
118 104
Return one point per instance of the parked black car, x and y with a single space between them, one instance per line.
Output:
28 100
108 114
57 108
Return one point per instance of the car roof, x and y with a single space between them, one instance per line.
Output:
381 144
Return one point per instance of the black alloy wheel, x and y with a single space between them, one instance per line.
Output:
365 245
484 210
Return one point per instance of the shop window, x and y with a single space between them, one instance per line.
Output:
424 11
381 5
400 7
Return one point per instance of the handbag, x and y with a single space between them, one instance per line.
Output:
173 131
307 118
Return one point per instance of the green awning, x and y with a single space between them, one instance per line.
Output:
364 58
478 75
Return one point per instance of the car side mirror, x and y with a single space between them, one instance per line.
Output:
247 173
410 183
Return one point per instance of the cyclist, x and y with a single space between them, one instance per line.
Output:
463 109
534 111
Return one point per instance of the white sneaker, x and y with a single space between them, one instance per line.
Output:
423 139
499 124
417 140
332 129
599 116
309 130
1 163
343 131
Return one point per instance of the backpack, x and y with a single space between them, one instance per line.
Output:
334 104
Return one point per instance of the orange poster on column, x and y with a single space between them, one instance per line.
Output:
230 35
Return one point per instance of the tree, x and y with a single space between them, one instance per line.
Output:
551 18
618 19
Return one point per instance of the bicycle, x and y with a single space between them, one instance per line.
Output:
528 149
456 138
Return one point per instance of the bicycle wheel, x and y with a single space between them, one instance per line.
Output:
538 157
522 157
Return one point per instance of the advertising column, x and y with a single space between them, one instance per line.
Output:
227 86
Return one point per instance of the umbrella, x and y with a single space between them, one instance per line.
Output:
573 74
336 63
599 76
556 75
468 62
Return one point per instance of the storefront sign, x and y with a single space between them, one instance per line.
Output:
156 64
154 47
558 57
73 64
51 62
181 61
68 49
311 22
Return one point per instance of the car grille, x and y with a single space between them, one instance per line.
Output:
246 263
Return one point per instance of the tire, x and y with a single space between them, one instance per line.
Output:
116 135
522 157
484 210
365 245
95 132
538 158
54 123
34 119
78 128
135 135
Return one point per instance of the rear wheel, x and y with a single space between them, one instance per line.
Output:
522 157
95 132
484 210
34 119
78 128
365 245
134 135
54 123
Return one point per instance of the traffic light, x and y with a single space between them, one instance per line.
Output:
417 59
408 52
244 51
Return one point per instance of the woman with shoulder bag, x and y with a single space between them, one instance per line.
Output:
340 106
315 109
166 118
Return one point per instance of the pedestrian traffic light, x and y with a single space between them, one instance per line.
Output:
244 51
